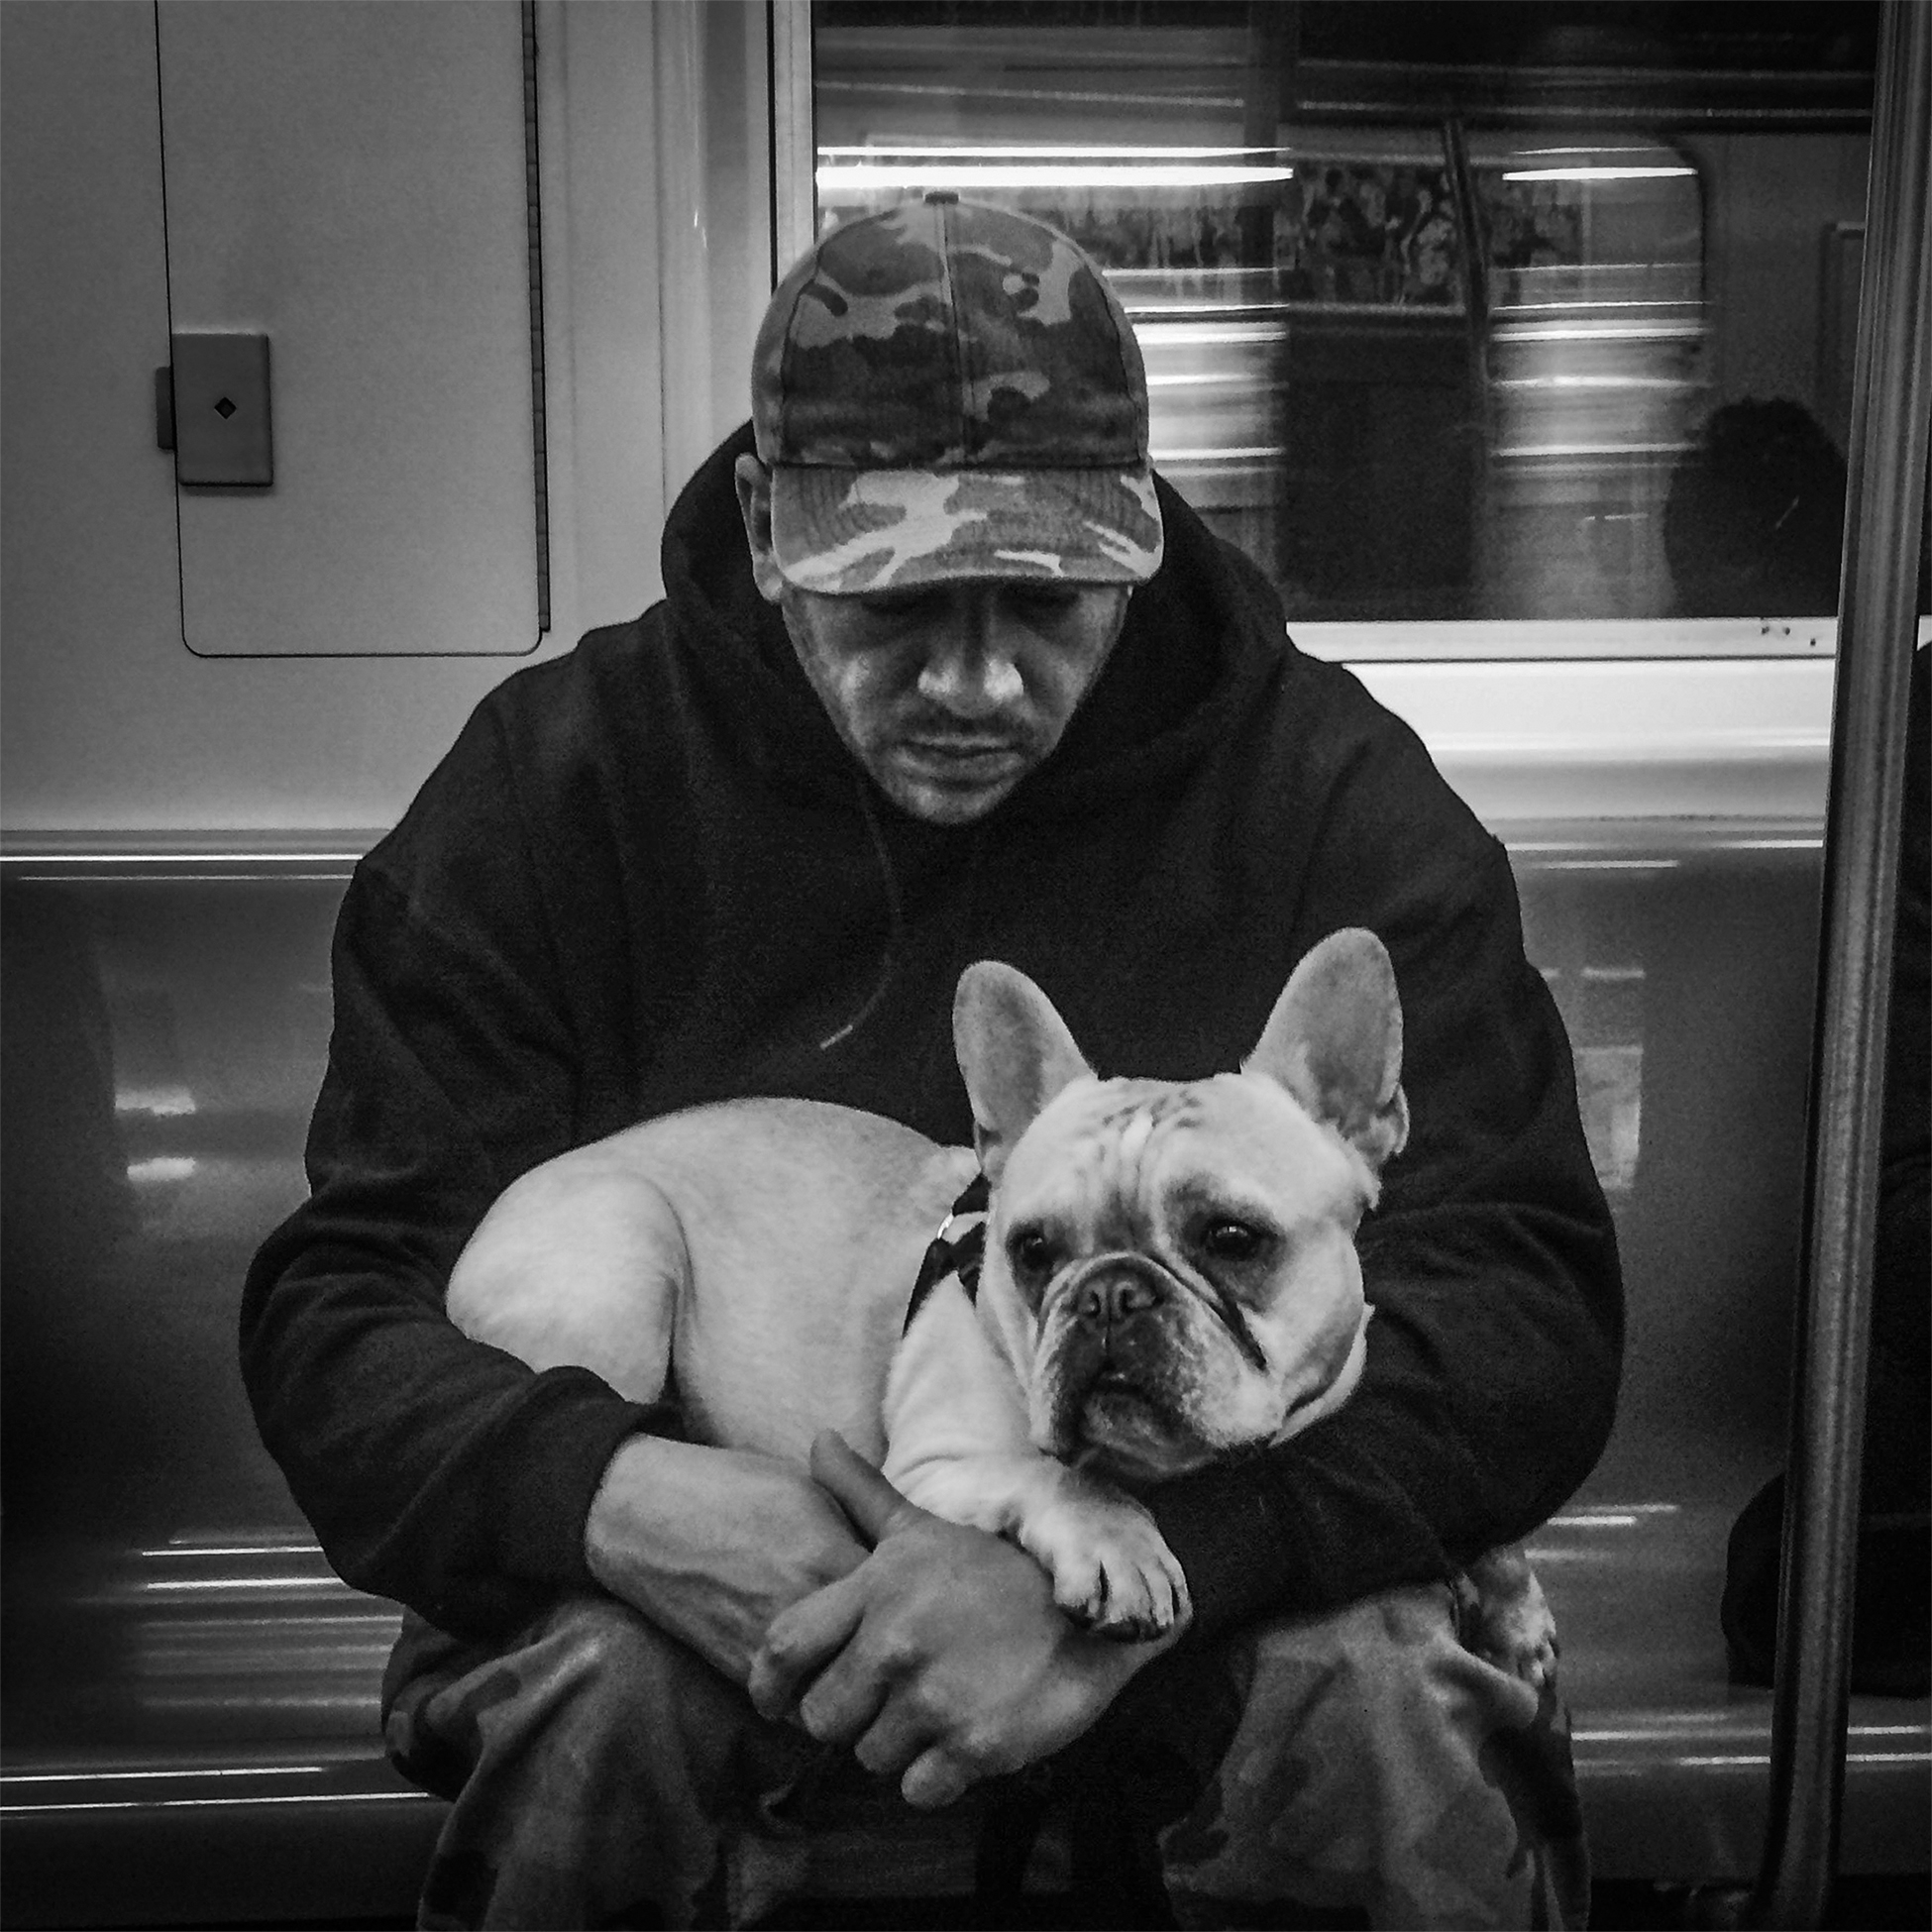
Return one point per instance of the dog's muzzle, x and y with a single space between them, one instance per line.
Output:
1105 1291
1117 1373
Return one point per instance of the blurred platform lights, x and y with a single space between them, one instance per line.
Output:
1593 367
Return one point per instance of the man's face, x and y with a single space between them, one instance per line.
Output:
947 694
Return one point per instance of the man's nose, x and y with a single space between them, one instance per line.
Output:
971 666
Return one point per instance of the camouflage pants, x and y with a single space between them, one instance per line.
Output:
1360 1768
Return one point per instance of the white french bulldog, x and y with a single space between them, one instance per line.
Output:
1169 1274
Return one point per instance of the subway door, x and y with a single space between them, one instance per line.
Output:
354 271
336 344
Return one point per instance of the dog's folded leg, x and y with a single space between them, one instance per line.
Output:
1112 1567
960 1448
580 1262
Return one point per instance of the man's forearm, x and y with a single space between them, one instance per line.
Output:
943 1659
711 1543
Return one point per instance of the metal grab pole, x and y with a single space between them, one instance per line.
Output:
1891 398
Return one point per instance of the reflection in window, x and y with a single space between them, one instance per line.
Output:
1436 326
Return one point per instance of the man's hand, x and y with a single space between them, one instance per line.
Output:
712 1544
942 1657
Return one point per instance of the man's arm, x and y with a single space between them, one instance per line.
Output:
712 1544
1493 1358
436 1469
942 1659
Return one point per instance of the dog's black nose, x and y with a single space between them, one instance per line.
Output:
1108 1300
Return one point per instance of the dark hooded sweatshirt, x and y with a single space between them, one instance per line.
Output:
649 874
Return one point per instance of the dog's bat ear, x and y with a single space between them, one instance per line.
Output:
1335 1041
1014 1052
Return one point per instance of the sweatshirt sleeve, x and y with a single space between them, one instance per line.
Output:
434 1469
1491 1265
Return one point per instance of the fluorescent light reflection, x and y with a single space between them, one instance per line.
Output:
1595 304
1600 330
1613 173
1204 335
149 860
162 1167
1626 1509
1222 453
1663 384
1577 451
196 1804
1607 865
162 1585
177 1770
235 1549
168 1102
1057 152
866 179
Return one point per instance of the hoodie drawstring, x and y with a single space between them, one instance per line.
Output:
895 929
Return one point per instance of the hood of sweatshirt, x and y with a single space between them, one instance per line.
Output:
1203 640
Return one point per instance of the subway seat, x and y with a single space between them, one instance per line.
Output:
190 1702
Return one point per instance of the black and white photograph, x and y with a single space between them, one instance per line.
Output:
965 964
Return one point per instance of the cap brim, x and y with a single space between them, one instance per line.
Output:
840 532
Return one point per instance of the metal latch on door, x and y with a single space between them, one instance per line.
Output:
212 409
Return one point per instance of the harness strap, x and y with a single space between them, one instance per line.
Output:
957 1248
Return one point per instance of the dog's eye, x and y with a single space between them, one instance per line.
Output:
1232 1241
1032 1254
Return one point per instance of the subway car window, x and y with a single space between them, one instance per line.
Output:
1451 315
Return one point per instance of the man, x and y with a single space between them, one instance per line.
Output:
941 673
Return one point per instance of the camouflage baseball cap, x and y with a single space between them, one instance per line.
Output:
948 391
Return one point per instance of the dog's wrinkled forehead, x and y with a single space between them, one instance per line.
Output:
1125 1138
1113 1127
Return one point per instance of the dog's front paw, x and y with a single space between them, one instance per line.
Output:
1505 1618
1113 1572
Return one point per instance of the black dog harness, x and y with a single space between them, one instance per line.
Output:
957 1248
